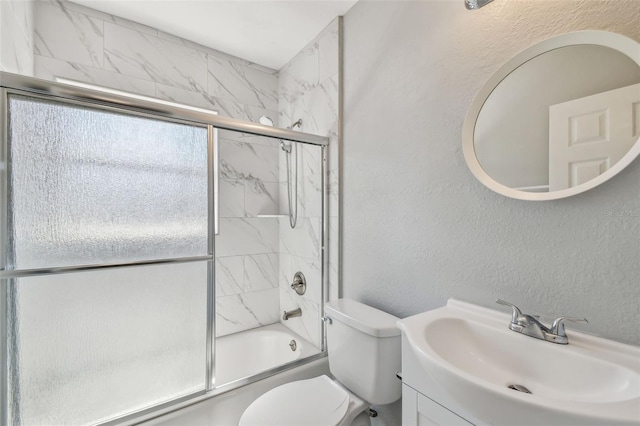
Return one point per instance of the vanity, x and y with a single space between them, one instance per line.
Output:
462 364
418 409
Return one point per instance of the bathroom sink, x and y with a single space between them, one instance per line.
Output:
503 377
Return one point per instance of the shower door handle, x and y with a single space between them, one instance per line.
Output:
214 182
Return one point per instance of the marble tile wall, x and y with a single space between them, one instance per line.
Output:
255 257
308 89
16 36
80 43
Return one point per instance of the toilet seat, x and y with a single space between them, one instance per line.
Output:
312 402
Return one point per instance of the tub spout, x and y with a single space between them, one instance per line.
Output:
292 314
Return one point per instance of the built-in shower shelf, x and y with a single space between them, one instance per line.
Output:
272 215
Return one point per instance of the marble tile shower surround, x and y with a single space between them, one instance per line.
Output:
80 43
308 88
16 37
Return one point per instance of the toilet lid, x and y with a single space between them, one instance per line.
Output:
314 402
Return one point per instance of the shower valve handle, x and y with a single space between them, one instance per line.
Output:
299 283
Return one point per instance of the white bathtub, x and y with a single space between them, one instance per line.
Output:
227 408
253 351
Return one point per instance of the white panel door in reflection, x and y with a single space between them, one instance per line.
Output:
589 135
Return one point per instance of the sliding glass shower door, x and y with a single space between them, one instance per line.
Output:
106 260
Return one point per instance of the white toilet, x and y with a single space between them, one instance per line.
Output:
364 355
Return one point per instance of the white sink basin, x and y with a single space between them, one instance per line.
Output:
470 352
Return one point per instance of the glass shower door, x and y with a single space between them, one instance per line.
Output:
271 217
106 262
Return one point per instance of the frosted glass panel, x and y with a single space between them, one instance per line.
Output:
90 186
87 347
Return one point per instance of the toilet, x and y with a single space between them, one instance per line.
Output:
363 344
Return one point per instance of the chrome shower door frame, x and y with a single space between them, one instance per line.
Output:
7 275
135 105
4 288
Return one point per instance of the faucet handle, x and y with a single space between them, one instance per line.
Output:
516 311
557 327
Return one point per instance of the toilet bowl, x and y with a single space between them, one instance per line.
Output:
364 354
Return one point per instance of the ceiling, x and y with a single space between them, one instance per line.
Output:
266 32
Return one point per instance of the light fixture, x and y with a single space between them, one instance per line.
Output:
476 4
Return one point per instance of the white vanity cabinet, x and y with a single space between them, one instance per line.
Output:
418 410
423 402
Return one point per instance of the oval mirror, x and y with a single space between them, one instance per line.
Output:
559 118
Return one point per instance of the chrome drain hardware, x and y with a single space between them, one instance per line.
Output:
519 388
293 345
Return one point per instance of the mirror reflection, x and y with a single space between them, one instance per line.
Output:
560 119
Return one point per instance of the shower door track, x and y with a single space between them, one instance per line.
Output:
164 109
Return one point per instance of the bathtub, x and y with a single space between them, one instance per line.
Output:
227 408
262 355
253 351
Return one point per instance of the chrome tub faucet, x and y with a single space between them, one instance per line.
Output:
292 314
529 325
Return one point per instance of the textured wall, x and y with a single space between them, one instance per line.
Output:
417 227
16 36
83 44
308 90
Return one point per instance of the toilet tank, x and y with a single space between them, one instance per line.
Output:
364 350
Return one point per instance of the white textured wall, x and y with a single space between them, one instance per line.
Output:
417 227
16 36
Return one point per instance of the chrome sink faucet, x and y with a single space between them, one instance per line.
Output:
530 325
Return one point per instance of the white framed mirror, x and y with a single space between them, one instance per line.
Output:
558 119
